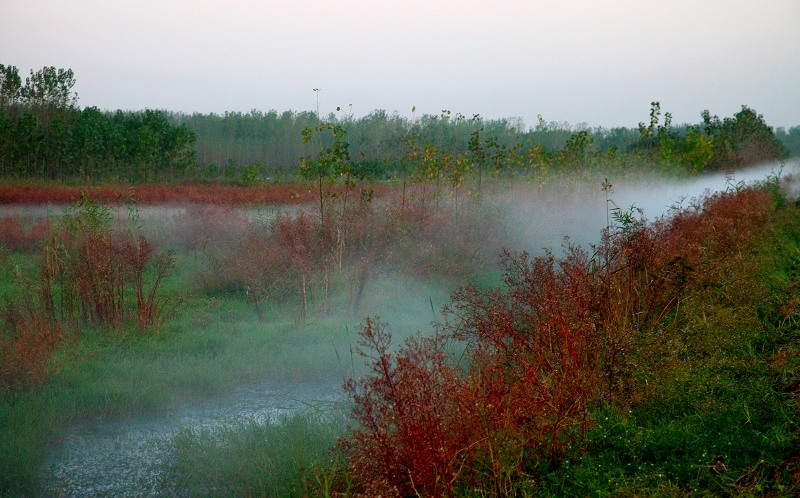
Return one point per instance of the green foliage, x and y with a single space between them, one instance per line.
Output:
10 89
250 175
691 151
578 142
43 134
49 90
696 150
328 162
285 457
485 154
790 139
742 140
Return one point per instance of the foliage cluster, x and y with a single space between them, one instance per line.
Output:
790 139
742 140
382 143
43 134
638 366
562 339
739 141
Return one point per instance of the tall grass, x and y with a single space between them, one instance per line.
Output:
291 456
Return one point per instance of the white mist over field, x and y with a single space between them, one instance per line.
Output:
126 456
541 218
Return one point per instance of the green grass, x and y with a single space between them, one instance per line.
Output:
285 457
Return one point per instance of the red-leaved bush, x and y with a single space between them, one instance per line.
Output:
26 345
87 273
538 354
295 257
16 236
413 438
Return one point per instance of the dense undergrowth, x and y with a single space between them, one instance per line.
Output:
656 364
662 360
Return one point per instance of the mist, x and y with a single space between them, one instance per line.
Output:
307 362
544 215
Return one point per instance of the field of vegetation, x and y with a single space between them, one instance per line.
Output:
661 357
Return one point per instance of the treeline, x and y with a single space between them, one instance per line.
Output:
380 141
43 134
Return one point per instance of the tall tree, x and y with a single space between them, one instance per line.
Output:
10 88
49 90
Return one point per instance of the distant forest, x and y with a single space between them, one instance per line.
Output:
45 135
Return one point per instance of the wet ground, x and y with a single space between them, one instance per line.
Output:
125 456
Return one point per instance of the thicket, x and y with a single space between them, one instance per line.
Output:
513 386
89 273
656 361
329 266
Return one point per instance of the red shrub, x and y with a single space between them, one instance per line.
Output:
309 249
15 236
540 353
283 193
534 351
413 438
26 348
259 268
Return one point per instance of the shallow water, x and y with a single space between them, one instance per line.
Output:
125 456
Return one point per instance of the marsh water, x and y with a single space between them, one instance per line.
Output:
125 456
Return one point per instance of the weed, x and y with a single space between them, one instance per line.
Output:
284 457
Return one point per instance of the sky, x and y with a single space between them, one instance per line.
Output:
595 62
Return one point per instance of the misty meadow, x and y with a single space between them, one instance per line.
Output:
303 305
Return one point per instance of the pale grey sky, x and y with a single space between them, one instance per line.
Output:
595 62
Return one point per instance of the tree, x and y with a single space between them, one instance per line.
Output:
477 150
697 149
49 90
10 88
742 140
331 161
790 139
